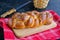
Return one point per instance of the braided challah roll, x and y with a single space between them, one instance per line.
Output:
30 19
41 4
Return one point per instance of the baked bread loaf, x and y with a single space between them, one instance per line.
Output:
30 19
28 23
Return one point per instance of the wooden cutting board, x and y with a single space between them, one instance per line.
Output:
30 31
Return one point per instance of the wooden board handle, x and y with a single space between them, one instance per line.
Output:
8 12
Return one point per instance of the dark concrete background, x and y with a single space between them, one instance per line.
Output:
5 5
54 5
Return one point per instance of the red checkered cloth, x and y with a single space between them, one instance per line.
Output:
51 34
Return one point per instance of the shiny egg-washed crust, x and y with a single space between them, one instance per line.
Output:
30 19
40 3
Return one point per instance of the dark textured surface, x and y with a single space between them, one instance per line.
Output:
1 32
54 5
5 5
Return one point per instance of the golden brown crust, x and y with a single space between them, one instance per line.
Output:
30 19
